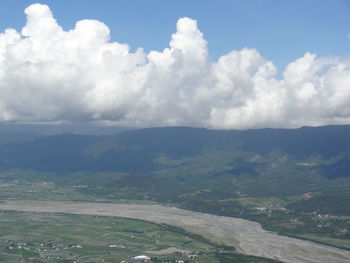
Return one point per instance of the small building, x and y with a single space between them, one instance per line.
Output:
142 258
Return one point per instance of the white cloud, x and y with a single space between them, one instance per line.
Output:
51 75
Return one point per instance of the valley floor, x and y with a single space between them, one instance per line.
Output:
248 237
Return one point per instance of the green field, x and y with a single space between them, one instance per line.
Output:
48 237
44 237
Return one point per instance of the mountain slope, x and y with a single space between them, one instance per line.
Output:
139 150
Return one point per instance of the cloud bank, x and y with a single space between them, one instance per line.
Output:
51 75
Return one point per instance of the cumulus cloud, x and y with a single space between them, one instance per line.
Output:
49 75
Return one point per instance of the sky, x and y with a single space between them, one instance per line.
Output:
221 64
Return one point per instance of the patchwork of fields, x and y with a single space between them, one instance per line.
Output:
63 237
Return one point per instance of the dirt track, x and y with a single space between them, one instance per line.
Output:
247 236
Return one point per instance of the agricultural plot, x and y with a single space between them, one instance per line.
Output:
48 237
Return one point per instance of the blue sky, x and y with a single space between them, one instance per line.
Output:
281 30
221 64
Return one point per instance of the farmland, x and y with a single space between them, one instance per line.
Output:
60 237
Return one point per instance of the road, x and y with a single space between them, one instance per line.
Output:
248 237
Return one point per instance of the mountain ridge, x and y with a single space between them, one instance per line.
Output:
112 152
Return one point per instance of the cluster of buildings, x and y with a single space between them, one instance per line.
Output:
144 258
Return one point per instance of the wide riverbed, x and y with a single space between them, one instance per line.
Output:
248 237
